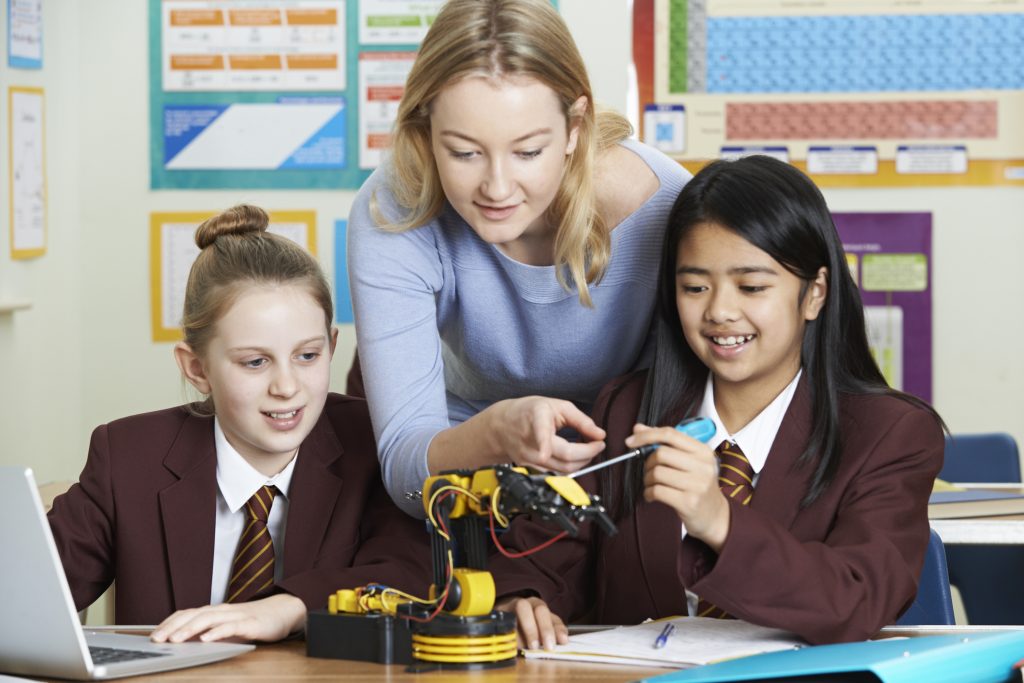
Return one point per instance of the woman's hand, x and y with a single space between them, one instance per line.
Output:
536 623
268 619
525 430
683 474
520 430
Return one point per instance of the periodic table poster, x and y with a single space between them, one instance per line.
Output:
886 93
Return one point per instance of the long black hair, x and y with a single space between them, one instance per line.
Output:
779 210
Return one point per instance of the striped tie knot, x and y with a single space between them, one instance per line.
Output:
258 506
735 474
736 480
252 571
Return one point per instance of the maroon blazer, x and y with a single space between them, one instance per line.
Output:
144 513
836 570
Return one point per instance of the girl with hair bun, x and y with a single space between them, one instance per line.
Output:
503 259
233 515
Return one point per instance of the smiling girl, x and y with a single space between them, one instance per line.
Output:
808 510
503 259
261 499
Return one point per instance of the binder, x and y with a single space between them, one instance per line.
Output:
974 658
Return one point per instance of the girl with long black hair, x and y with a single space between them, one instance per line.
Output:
807 510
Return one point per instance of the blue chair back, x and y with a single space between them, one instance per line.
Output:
981 458
982 572
934 603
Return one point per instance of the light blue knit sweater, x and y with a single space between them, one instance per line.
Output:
446 324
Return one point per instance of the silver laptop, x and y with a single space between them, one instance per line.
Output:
40 634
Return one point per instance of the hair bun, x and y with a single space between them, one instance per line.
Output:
238 220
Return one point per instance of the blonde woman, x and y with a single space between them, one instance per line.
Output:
503 260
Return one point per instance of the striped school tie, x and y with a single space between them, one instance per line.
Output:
252 571
736 480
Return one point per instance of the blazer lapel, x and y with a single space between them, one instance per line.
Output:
783 482
189 512
314 491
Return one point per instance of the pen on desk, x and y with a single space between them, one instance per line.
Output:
662 638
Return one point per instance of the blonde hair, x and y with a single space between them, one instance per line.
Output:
500 39
237 252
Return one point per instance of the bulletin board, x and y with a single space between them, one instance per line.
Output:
276 94
886 93
172 250
890 257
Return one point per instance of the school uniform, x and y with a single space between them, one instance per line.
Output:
144 513
836 570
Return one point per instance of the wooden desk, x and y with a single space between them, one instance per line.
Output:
288 662
1005 530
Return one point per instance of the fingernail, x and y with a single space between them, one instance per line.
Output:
549 644
629 441
534 645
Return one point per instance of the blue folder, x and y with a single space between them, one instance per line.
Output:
971 658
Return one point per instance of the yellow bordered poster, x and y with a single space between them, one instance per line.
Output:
172 250
26 145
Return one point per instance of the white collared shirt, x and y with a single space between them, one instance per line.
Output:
755 439
237 481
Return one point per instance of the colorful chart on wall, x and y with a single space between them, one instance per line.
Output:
172 250
887 93
890 256
277 93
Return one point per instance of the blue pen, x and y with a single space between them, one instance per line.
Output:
663 636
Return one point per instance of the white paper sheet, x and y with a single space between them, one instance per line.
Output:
696 641
28 172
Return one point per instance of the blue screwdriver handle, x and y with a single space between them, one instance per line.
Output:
700 428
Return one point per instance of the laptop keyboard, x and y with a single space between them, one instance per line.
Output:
110 655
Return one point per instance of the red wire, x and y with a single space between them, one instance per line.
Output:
497 543
506 553
448 583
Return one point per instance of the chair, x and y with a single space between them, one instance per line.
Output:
934 603
981 458
988 576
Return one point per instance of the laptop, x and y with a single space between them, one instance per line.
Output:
40 634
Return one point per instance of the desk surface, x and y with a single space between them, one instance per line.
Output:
288 662
1007 530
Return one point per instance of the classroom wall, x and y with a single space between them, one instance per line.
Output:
83 354
42 355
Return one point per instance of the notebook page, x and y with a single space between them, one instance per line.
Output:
695 641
